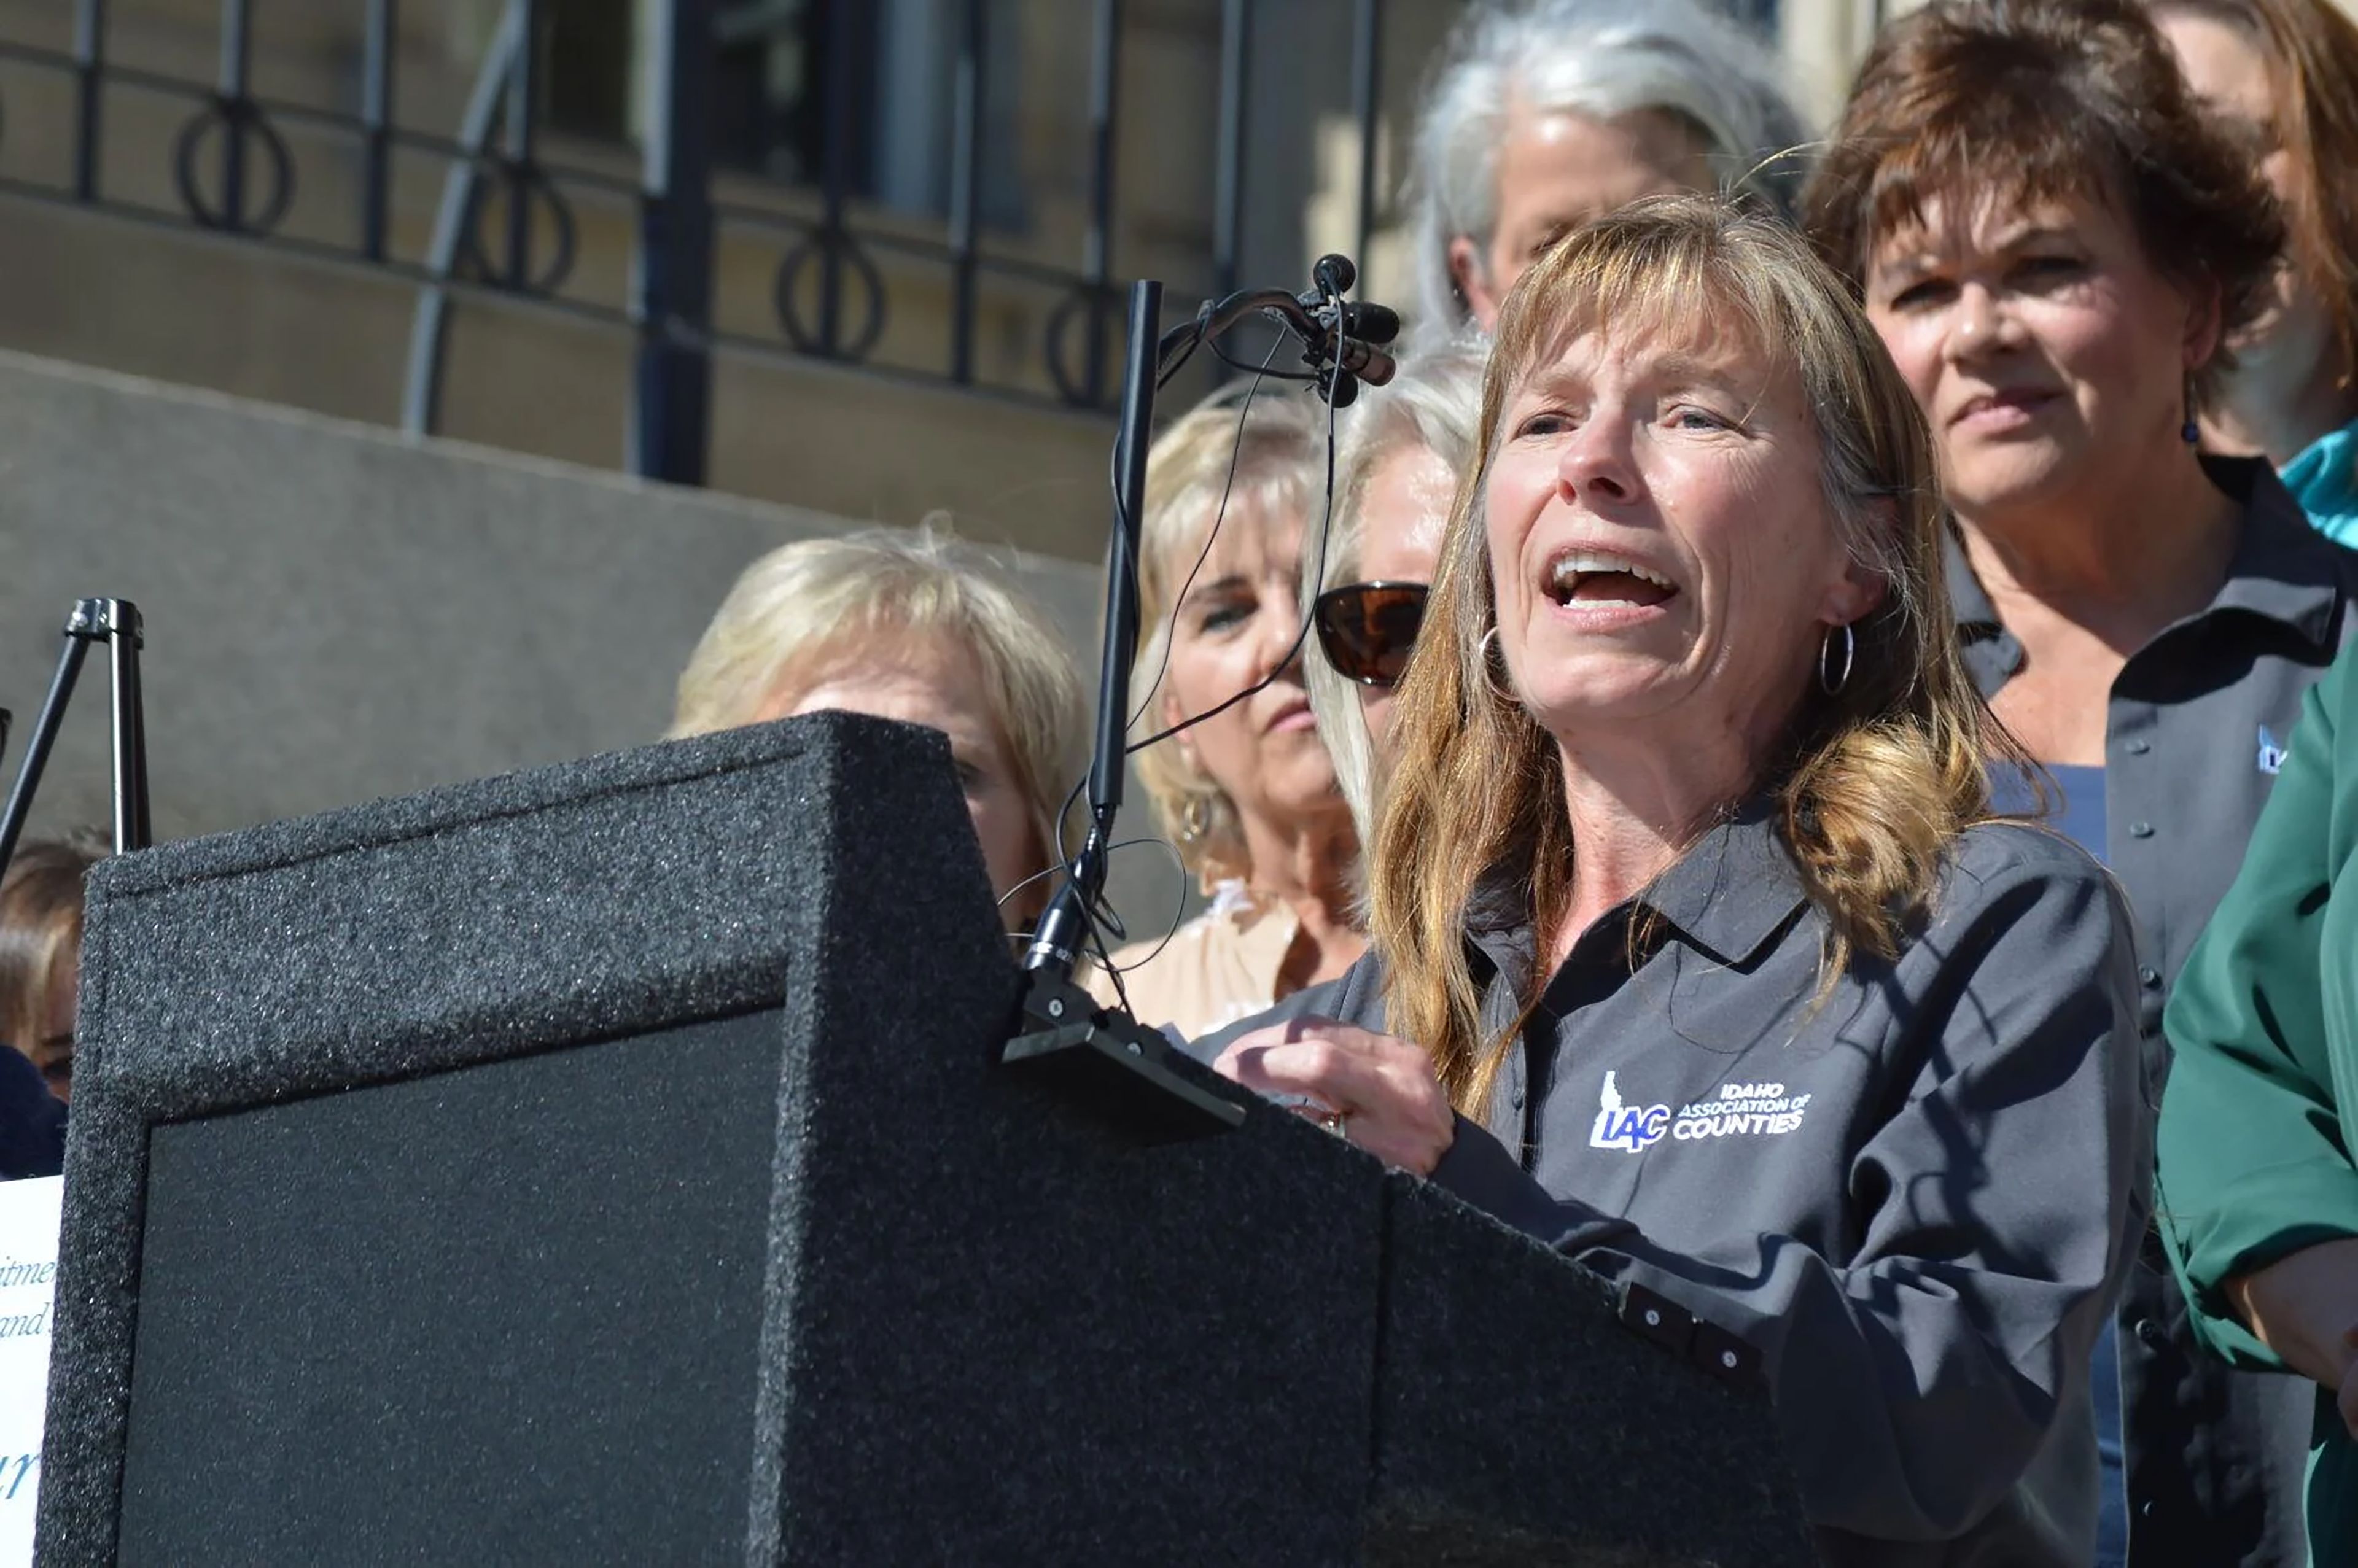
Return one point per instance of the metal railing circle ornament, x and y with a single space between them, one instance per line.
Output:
1085 303
525 182
815 246
242 120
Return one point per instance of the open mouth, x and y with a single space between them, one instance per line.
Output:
1594 577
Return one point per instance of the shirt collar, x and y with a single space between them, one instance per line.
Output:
1726 897
1735 890
1969 601
2283 569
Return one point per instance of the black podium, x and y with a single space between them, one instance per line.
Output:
610 1164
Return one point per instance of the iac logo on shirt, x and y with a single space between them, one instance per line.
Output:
1740 1110
2271 755
1628 1128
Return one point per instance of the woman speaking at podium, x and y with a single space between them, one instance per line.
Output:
1697 951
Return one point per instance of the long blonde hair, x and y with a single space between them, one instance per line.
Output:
1871 783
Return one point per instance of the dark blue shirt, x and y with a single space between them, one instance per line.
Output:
2074 804
32 1121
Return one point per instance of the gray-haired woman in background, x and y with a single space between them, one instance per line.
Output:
1545 114
1394 482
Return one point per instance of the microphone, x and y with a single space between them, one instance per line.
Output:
1364 326
1341 340
1367 362
1371 323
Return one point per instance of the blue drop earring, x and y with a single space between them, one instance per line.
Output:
2191 433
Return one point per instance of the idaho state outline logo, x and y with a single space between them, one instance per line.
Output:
1628 1128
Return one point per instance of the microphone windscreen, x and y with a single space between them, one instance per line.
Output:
1372 323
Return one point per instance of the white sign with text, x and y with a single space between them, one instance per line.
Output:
28 1272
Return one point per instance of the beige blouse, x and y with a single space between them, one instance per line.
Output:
1219 968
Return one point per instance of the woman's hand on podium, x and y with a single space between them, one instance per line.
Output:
1377 1091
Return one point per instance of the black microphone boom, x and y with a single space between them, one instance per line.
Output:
1061 1036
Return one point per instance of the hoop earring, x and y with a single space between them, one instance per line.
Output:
2192 431
1195 820
1829 681
1487 648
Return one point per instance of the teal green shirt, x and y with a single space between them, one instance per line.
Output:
2324 480
2261 1114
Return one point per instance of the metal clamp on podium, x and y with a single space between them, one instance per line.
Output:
1109 1061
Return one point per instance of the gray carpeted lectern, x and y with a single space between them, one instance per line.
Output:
610 1164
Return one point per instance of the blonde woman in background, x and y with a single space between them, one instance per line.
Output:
1248 795
1394 481
919 629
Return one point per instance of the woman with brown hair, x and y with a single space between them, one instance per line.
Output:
2282 76
2053 242
1696 952
40 949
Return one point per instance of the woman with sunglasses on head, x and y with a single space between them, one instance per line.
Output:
1394 481
1696 952
1235 499
2053 241
2282 76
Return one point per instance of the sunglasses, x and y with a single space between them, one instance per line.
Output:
1368 629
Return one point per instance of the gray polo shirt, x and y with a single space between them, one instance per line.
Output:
2196 729
1904 1210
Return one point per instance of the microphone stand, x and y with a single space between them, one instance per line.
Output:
115 623
1099 1055
1102 1056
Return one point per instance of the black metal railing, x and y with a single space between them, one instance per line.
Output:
240 164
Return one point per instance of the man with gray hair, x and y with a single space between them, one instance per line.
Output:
1545 114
